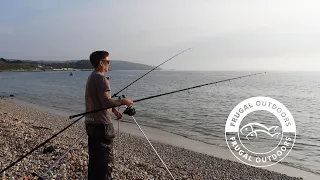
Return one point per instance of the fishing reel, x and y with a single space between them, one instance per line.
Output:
130 111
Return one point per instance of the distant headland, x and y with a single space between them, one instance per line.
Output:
72 65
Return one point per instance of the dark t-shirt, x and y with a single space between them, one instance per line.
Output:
97 88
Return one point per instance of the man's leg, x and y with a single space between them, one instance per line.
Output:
100 142
93 151
107 149
93 158
106 158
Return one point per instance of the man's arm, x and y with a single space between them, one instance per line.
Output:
112 102
105 95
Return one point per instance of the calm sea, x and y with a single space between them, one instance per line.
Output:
197 114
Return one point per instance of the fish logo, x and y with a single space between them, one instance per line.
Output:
251 130
260 143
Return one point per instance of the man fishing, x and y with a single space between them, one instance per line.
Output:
99 125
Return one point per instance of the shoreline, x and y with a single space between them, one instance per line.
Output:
24 70
75 70
128 122
181 144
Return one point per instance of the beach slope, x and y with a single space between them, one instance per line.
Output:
23 128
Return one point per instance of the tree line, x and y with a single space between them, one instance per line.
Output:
16 65
81 64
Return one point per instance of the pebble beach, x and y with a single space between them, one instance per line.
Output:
23 128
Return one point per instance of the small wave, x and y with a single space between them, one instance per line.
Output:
306 144
314 138
299 166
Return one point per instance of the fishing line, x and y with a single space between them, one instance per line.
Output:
152 147
79 140
119 133
150 71
151 97
12 164
138 100
64 155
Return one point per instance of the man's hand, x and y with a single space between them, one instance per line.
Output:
126 101
117 113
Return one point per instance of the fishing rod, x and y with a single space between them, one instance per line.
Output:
114 95
150 97
130 113
61 157
108 107
79 139
18 160
152 147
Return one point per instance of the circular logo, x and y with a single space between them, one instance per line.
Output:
260 131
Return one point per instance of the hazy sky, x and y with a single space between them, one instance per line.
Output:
224 35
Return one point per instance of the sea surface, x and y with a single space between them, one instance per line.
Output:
198 114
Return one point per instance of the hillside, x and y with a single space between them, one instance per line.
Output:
27 65
16 65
